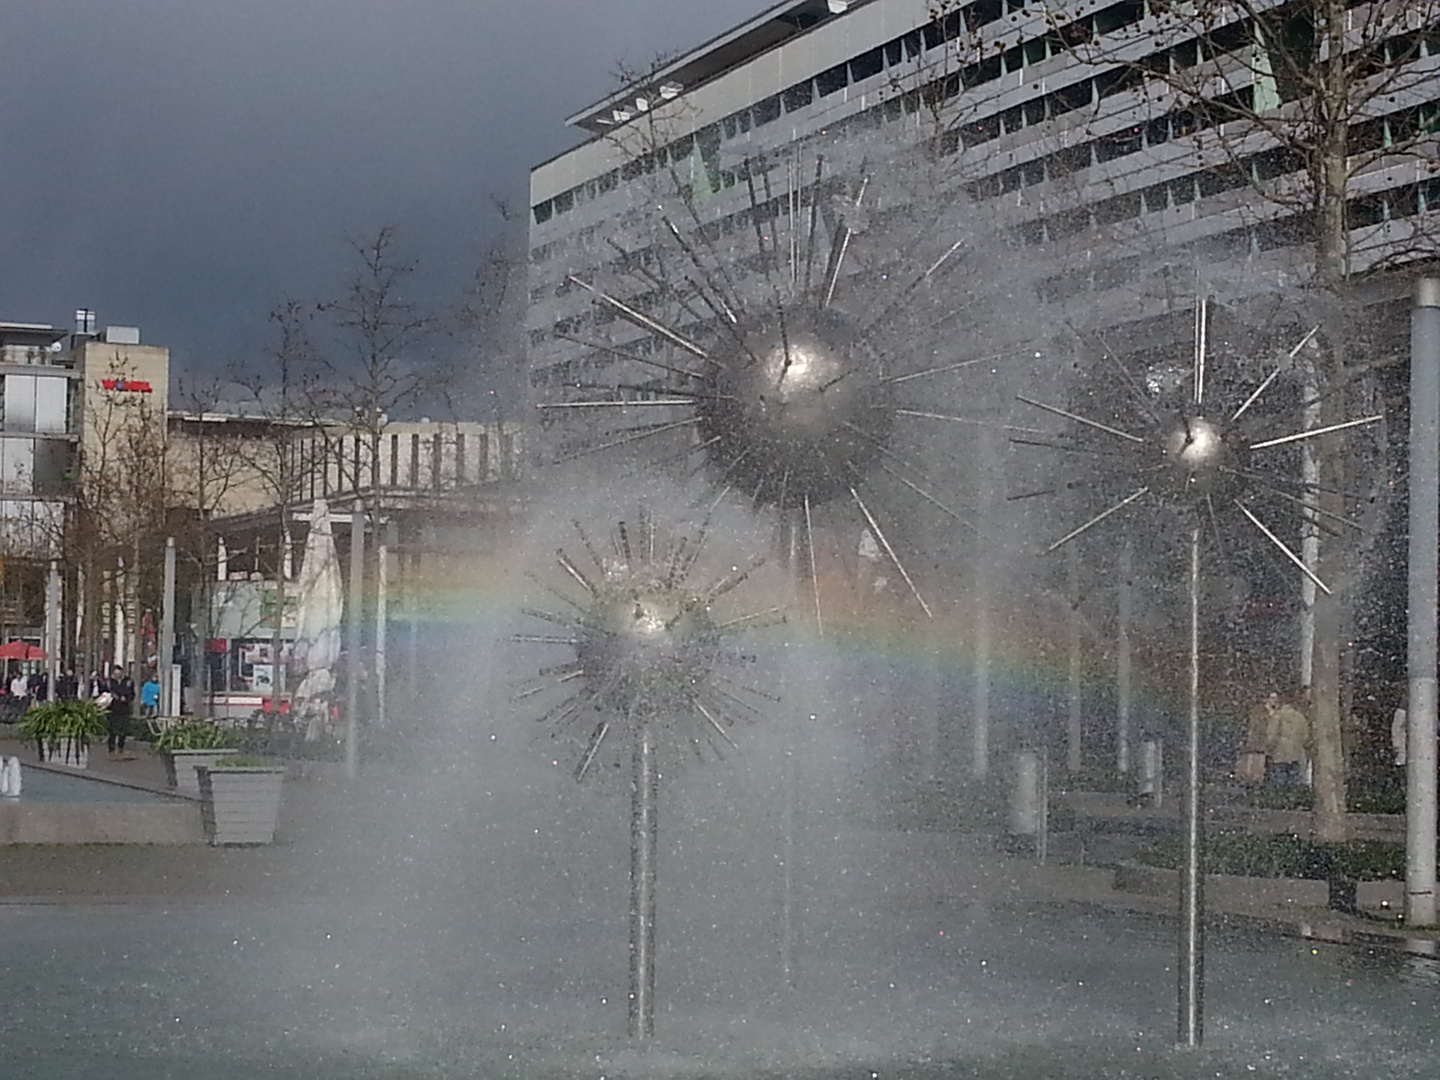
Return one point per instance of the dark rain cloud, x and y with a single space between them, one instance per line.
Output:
184 164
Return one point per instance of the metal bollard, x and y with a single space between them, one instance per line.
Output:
1025 797
1029 800
1152 772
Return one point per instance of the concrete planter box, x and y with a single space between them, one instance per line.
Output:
74 753
240 805
180 767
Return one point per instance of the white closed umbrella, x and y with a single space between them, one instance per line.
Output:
320 610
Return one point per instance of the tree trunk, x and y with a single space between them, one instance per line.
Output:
1330 175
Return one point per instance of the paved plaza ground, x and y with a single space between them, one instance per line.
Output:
416 924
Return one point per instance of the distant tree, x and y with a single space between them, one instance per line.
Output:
381 365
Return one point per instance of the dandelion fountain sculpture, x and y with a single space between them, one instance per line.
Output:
1203 463
648 668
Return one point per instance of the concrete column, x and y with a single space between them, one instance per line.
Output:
1423 598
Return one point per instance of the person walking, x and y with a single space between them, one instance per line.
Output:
121 694
1287 742
149 698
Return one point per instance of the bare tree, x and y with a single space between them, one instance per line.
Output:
1327 109
380 367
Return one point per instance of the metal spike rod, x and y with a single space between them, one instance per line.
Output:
1255 396
814 571
942 370
1068 415
649 404
1284 548
1073 533
642 320
714 723
601 730
574 571
646 433
1316 432
636 357
890 551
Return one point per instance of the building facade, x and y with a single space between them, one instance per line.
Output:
1060 122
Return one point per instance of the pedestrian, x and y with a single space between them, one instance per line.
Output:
39 686
1250 762
67 686
121 694
150 697
1287 742
20 688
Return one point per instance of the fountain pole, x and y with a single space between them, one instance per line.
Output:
354 602
1192 881
1122 657
644 799
165 661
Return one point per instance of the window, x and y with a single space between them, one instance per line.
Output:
867 64
1119 144
799 96
831 81
544 211
767 110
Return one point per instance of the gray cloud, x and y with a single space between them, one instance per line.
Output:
184 164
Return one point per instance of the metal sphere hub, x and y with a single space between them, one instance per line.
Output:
647 645
1200 457
795 414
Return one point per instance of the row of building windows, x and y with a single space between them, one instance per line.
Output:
1403 48
904 49
1372 209
1259 168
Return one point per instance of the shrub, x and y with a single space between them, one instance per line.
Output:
196 736
54 721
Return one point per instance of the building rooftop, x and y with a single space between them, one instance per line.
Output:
720 54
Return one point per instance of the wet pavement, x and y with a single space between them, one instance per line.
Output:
490 944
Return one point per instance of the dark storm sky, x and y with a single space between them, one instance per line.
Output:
182 165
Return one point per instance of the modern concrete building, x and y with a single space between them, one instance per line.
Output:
1118 191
